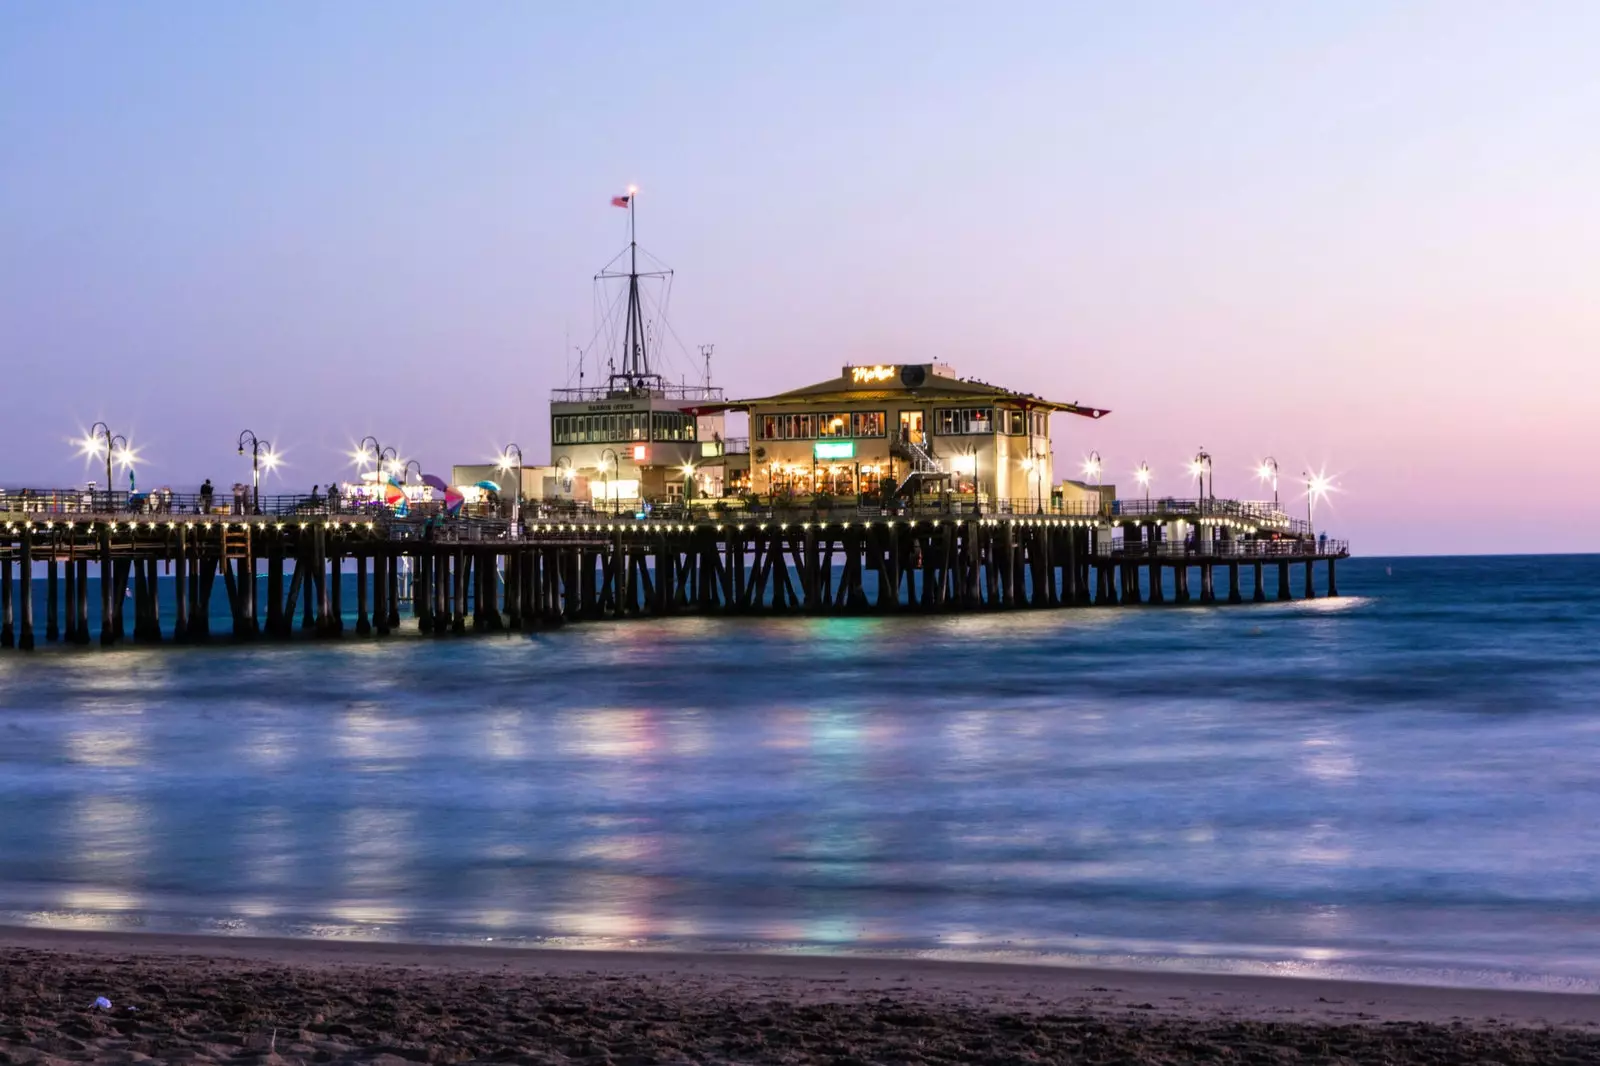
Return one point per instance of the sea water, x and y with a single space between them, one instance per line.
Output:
1402 782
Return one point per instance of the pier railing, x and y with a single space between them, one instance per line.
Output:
1241 516
1243 549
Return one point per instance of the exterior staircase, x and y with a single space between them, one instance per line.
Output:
924 467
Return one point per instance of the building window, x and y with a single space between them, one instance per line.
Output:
799 427
964 421
833 425
868 423
1041 423
671 425
1016 422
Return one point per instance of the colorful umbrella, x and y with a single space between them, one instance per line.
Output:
453 501
435 481
490 485
395 496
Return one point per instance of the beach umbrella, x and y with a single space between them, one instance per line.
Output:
490 485
434 481
453 501
395 496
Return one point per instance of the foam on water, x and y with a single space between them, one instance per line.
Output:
1398 783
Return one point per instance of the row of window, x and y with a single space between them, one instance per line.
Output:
824 426
947 422
622 427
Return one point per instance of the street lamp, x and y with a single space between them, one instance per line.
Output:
1268 470
564 472
1142 476
361 455
405 473
1092 467
1200 467
1038 466
1318 484
257 447
504 464
606 466
688 482
100 436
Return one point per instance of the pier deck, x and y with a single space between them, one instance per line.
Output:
486 574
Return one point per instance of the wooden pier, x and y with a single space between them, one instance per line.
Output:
452 576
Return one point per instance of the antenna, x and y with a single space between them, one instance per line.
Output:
705 353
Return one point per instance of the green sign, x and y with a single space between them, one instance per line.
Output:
835 449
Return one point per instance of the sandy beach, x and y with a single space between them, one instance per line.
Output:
200 999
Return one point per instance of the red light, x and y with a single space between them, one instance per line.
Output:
640 453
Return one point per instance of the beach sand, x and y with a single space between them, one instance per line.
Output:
205 999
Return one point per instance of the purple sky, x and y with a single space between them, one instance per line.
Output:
1359 236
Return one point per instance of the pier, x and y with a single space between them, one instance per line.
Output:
287 571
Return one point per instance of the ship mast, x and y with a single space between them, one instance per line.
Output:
635 375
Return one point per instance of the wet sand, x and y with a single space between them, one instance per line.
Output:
203 999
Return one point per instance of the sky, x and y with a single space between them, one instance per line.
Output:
1359 237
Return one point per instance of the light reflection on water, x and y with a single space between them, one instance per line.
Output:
1373 782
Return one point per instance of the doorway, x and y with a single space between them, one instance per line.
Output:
911 427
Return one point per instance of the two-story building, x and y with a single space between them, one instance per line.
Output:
917 424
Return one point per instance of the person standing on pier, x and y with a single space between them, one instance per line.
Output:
333 496
206 492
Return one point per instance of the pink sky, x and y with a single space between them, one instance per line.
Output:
1356 236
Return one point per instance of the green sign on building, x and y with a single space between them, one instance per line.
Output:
835 449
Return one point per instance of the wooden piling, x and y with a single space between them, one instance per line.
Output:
52 586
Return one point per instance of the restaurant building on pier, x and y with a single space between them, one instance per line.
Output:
917 425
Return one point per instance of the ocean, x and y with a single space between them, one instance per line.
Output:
1400 783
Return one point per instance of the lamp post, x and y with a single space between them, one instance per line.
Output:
1269 470
606 466
1316 485
504 463
395 465
405 473
92 445
1092 468
688 483
564 470
1142 476
1201 469
361 455
256 447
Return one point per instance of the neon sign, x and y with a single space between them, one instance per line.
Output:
864 375
834 449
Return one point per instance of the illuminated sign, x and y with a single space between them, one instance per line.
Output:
835 449
866 375
641 452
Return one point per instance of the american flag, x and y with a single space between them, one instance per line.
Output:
620 201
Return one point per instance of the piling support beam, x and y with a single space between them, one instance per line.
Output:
458 614
8 633
392 597
106 636
1333 582
70 633
1311 587
52 589
1260 594
1283 582
83 636
1233 584
25 600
